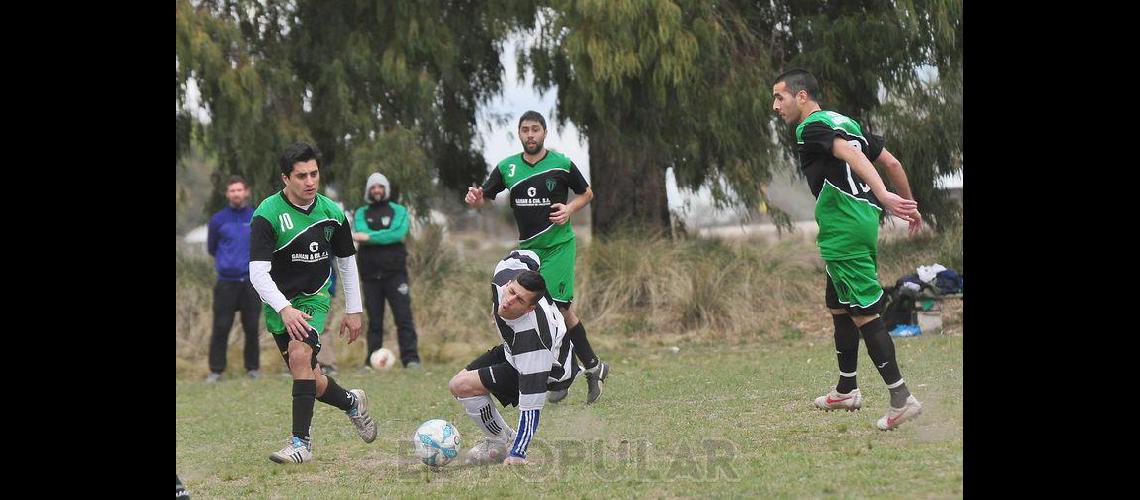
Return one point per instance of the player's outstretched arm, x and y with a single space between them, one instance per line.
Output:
894 169
898 206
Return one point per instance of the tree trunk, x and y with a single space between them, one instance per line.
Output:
629 185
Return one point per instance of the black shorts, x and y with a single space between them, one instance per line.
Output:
283 339
497 375
561 304
832 299
502 380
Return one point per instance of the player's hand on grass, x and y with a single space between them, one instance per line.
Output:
474 196
900 207
352 323
513 460
559 213
295 324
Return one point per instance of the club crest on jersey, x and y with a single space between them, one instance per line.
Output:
385 220
550 185
328 233
531 191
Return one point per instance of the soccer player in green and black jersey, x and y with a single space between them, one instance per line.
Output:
293 234
538 181
836 158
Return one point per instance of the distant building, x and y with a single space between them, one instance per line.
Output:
952 184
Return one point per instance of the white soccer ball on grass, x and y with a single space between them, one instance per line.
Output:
436 442
382 359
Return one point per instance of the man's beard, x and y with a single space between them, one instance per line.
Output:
529 151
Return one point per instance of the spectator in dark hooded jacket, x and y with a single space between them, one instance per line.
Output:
380 227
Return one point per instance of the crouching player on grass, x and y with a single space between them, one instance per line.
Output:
534 357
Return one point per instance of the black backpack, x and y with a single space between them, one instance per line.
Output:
899 307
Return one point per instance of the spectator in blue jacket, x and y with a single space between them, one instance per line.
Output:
228 242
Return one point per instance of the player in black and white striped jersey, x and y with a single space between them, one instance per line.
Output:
534 356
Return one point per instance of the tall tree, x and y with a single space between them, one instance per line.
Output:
232 51
655 84
893 65
687 84
349 76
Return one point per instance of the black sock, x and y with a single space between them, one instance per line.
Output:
882 351
847 350
899 394
336 396
582 346
304 397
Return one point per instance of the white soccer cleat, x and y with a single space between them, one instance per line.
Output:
487 451
513 460
365 426
896 416
296 452
835 401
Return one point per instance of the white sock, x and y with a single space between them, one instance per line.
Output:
482 411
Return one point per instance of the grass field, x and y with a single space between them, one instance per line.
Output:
723 418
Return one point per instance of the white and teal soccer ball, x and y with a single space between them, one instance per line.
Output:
436 442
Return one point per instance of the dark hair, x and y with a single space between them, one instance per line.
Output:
234 179
798 79
532 281
298 152
533 116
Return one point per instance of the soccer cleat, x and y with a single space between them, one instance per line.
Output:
896 416
594 378
253 374
835 401
556 396
487 451
358 414
513 460
327 370
296 452
213 377
413 365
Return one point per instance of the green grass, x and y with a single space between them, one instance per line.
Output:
709 420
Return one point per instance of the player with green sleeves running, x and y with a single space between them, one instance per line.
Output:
293 234
539 180
836 159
